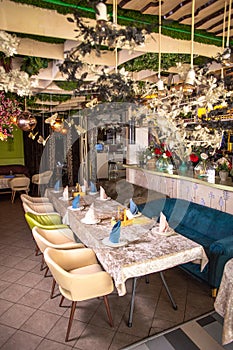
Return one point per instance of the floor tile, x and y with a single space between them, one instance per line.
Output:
30 279
16 315
22 341
14 293
40 323
121 340
34 298
51 345
4 305
5 333
4 285
52 305
102 339
12 274
27 264
58 332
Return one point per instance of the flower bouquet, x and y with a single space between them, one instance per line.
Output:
223 164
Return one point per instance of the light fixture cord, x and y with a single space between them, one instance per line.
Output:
115 23
192 33
224 24
229 24
223 34
160 27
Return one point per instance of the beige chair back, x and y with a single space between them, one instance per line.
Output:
38 208
57 239
19 184
78 286
29 199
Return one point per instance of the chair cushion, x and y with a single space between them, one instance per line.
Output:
86 269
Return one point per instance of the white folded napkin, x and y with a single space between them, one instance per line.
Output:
66 193
163 224
102 193
90 214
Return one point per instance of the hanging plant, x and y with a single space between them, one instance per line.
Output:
9 112
32 65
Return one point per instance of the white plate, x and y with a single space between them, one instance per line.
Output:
108 243
59 191
169 232
105 199
65 200
92 193
90 223
74 209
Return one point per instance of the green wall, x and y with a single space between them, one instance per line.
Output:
12 151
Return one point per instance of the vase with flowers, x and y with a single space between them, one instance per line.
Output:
201 168
223 168
163 163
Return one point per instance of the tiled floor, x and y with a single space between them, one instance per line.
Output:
30 320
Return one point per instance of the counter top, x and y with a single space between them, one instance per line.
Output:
227 185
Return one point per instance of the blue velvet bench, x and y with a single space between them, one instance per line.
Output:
211 228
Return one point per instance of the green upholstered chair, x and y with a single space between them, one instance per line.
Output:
46 221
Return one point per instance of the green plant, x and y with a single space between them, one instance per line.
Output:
32 65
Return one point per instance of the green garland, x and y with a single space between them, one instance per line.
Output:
151 61
67 85
127 17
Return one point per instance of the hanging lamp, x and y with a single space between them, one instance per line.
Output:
26 121
226 55
159 83
190 78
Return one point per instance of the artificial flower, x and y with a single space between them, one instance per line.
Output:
194 158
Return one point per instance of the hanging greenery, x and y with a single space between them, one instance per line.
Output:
151 60
32 65
125 17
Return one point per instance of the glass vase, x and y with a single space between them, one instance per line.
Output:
163 164
183 168
200 169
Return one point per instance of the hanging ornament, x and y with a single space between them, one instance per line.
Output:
26 121
57 125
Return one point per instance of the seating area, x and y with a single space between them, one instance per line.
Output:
31 299
210 227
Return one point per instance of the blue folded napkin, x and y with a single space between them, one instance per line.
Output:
9 176
115 233
133 207
57 186
76 202
93 187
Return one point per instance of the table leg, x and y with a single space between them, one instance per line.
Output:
168 291
130 321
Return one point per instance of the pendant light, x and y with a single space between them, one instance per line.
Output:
226 55
190 78
26 121
159 83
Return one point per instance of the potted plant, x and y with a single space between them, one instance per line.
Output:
223 168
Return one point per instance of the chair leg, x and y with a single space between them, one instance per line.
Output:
62 299
52 289
73 307
108 310
46 271
42 262
13 196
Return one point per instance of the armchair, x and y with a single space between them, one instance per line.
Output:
19 184
42 179
79 277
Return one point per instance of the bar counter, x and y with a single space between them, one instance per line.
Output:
214 195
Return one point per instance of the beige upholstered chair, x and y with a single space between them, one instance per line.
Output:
19 184
36 208
58 239
79 277
42 179
29 199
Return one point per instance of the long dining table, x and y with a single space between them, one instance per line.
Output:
144 251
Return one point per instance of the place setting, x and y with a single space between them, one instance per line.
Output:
76 204
162 228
